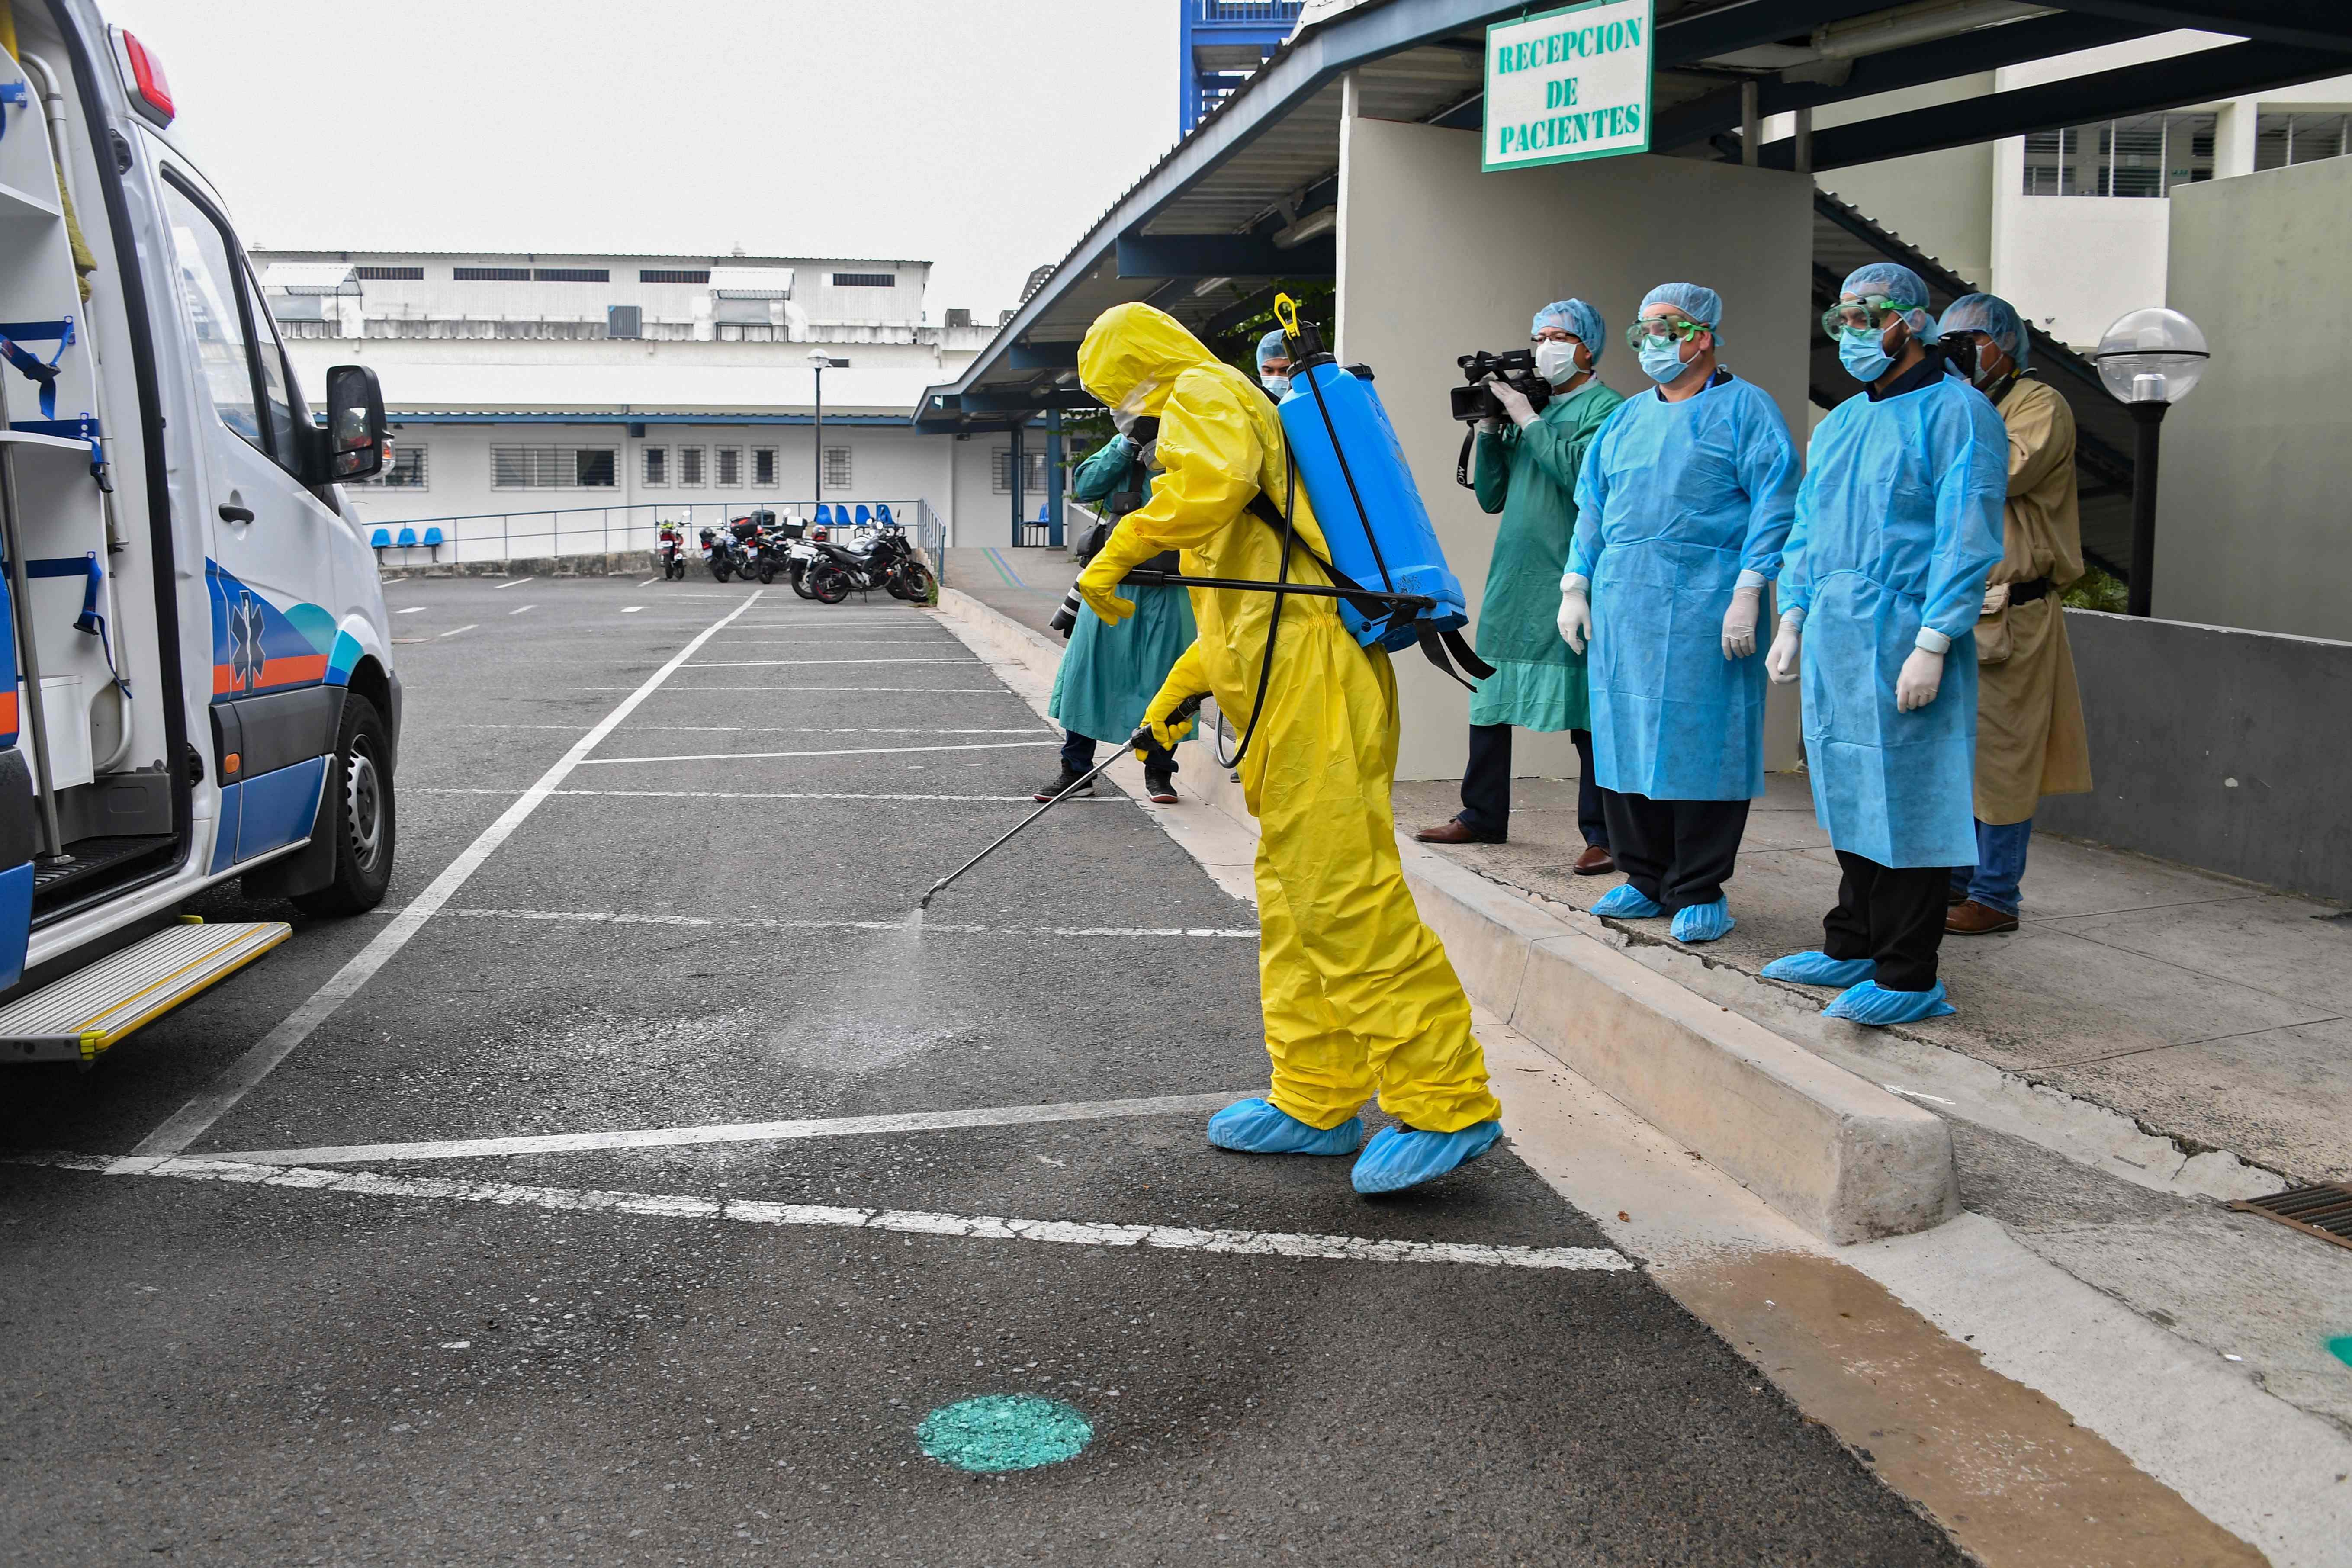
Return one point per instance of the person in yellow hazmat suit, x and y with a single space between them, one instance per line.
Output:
1358 994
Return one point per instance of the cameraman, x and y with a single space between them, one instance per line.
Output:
1109 673
1525 469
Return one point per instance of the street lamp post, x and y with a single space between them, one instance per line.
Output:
822 361
2148 361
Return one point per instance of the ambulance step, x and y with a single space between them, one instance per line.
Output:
75 1018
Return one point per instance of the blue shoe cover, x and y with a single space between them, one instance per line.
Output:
1819 969
1625 901
1255 1127
1869 1002
1401 1157
1703 922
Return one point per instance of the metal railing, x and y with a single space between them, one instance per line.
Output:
547 531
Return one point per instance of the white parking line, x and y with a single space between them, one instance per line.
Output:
191 1121
849 751
770 795
511 582
520 609
608 917
453 631
774 728
899 690
738 1132
909 1222
631 610
412 610
798 663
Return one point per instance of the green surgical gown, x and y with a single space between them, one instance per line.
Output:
1530 476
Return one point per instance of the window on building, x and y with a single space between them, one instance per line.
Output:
657 468
389 274
406 471
553 468
728 462
673 274
571 275
689 467
836 469
763 467
2281 138
2145 155
866 280
491 274
1033 472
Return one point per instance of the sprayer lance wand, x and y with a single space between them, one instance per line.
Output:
1141 739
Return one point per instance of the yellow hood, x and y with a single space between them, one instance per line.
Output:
1137 346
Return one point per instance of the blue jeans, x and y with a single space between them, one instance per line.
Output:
1999 868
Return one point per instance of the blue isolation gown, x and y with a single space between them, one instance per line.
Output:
1898 523
1674 501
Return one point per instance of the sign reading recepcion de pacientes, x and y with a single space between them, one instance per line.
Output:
1567 84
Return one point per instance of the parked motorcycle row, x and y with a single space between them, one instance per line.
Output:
764 547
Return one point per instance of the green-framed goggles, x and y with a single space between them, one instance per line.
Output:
1865 313
1654 328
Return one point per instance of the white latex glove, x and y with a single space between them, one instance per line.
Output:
1922 677
1575 619
1739 622
1514 402
1781 663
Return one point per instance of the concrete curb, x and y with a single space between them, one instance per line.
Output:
1833 1151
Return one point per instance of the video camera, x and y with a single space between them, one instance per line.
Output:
1476 401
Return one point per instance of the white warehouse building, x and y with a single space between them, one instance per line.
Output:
564 404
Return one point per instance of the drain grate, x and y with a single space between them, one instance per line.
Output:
2325 1212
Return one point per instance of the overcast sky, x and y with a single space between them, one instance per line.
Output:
984 135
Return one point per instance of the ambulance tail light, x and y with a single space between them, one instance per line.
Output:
143 78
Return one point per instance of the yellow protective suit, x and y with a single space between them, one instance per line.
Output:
1358 994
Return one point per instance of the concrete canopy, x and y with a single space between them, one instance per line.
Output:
1255 172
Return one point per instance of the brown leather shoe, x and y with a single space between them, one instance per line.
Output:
1596 861
1973 919
1455 832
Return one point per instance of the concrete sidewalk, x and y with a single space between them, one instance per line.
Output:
1023 585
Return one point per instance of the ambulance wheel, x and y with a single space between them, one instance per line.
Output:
357 812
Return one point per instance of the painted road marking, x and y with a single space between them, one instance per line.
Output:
412 610
522 609
191 1121
769 794
901 690
848 751
631 610
908 1222
776 728
738 1132
453 631
611 917
511 582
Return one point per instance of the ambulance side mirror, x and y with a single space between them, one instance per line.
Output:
355 426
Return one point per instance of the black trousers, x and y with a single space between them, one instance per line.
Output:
1892 915
1078 755
1674 852
1487 785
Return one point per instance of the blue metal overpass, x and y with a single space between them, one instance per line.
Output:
1220 44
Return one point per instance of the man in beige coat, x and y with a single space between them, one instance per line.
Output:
2030 736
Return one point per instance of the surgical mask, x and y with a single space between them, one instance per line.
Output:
1662 360
1276 387
1863 351
1556 361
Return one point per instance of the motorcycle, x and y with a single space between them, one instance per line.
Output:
669 553
725 560
887 562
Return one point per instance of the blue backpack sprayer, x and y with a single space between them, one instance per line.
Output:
1342 446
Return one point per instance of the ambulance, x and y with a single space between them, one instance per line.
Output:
200 683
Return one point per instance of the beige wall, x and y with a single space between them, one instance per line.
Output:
2253 528
1942 202
1438 259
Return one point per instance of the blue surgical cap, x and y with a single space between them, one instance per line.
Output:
1271 346
1993 316
1700 303
1892 280
1578 319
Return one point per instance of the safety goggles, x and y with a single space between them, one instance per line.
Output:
1659 329
1865 314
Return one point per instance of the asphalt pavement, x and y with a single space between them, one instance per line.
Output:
731 1219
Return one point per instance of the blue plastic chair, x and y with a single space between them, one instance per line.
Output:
407 539
882 514
380 540
1044 512
432 542
865 518
823 515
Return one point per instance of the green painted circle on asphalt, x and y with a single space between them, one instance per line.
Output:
999 1432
